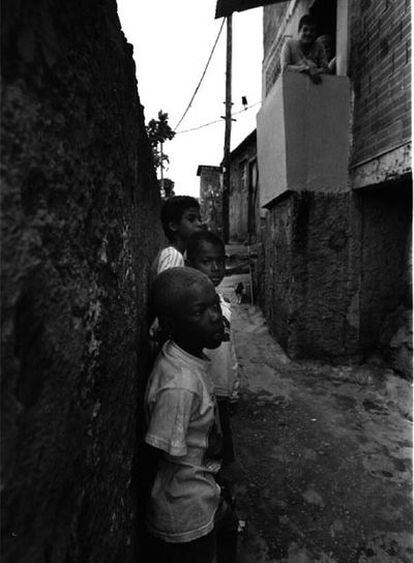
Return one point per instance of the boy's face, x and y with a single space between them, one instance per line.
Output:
211 261
198 321
307 34
190 223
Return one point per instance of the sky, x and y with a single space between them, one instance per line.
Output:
172 41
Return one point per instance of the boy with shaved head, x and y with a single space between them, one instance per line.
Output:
183 422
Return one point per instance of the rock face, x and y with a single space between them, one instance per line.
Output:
80 227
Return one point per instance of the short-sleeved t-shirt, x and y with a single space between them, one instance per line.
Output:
184 424
167 258
224 366
292 54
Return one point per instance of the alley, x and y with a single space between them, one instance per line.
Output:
325 455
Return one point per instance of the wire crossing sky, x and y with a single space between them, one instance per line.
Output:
202 76
172 42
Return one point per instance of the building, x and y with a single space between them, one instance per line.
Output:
335 178
211 197
244 208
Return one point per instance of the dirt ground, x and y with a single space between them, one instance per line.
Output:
325 455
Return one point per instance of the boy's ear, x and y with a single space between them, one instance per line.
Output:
173 226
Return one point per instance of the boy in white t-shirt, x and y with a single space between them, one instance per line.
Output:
206 253
183 423
180 218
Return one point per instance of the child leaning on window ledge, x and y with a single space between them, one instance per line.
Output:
305 55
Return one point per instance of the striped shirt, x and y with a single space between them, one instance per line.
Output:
167 258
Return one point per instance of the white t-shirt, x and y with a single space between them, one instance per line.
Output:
224 366
184 424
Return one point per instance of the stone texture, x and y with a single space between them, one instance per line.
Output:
307 285
79 229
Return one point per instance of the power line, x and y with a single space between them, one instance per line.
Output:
216 121
202 76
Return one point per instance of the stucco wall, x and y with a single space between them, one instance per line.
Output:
79 229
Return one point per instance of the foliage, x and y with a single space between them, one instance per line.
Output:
159 131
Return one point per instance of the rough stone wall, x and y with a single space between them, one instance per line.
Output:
309 286
380 70
386 214
79 229
211 197
239 193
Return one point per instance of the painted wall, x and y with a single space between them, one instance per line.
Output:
303 136
79 230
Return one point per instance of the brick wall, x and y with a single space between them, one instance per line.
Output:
380 66
79 230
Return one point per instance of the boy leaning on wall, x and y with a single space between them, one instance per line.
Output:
188 519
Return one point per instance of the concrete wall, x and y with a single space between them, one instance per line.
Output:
303 136
79 229
211 197
380 70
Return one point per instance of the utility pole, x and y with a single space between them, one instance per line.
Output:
162 168
227 133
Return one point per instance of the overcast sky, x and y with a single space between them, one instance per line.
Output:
172 41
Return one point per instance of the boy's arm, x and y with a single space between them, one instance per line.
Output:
169 419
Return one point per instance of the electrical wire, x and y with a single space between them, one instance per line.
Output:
202 76
216 121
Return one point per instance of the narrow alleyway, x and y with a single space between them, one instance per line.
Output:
325 455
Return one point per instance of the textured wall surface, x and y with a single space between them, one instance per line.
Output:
336 274
386 255
79 229
308 284
380 70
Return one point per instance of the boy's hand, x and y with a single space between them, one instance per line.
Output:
315 76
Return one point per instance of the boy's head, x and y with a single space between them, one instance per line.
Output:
188 308
206 252
180 217
307 29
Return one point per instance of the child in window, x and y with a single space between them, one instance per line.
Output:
305 54
185 507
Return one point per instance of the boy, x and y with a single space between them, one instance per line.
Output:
305 54
206 253
183 421
180 218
